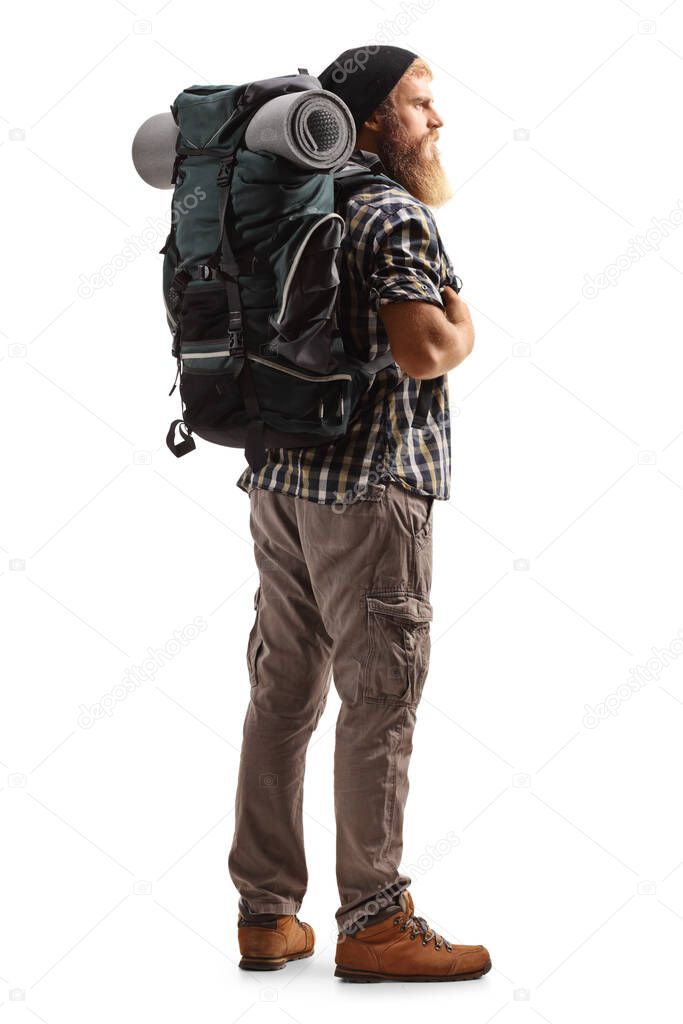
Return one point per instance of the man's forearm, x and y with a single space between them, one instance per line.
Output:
447 351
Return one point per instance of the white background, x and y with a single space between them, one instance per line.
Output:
558 559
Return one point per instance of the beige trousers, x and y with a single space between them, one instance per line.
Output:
342 595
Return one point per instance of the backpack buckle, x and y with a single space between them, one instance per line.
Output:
176 167
225 171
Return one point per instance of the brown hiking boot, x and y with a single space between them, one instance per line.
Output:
403 947
268 945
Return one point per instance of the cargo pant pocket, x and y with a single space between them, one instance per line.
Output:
398 647
255 642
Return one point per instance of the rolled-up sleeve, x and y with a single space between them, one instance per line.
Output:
407 262
451 277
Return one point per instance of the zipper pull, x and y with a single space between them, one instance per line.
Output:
177 374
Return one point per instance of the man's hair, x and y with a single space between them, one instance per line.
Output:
418 69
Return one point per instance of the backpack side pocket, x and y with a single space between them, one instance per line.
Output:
304 326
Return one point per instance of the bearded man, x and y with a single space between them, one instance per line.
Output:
343 543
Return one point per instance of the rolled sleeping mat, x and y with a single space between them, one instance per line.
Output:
312 129
154 150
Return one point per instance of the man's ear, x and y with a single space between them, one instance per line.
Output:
368 134
373 123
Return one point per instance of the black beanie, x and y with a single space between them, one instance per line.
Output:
364 76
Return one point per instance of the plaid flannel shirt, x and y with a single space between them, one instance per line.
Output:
391 252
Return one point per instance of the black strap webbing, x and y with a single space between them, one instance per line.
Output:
254 449
424 403
228 264
181 447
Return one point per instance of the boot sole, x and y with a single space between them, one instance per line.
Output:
346 974
264 963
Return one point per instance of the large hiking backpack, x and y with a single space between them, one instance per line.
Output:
250 280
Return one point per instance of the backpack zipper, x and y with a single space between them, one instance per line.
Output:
297 373
168 311
266 362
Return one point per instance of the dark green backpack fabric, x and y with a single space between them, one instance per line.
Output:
250 282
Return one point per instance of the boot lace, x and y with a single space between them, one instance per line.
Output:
418 926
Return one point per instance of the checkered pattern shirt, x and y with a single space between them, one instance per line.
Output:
391 252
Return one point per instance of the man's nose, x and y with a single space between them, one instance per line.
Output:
436 120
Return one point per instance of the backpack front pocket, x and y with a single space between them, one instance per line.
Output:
207 345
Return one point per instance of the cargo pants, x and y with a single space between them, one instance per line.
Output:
343 594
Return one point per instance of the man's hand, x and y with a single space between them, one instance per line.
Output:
458 313
455 309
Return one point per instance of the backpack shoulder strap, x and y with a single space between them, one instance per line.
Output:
355 176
